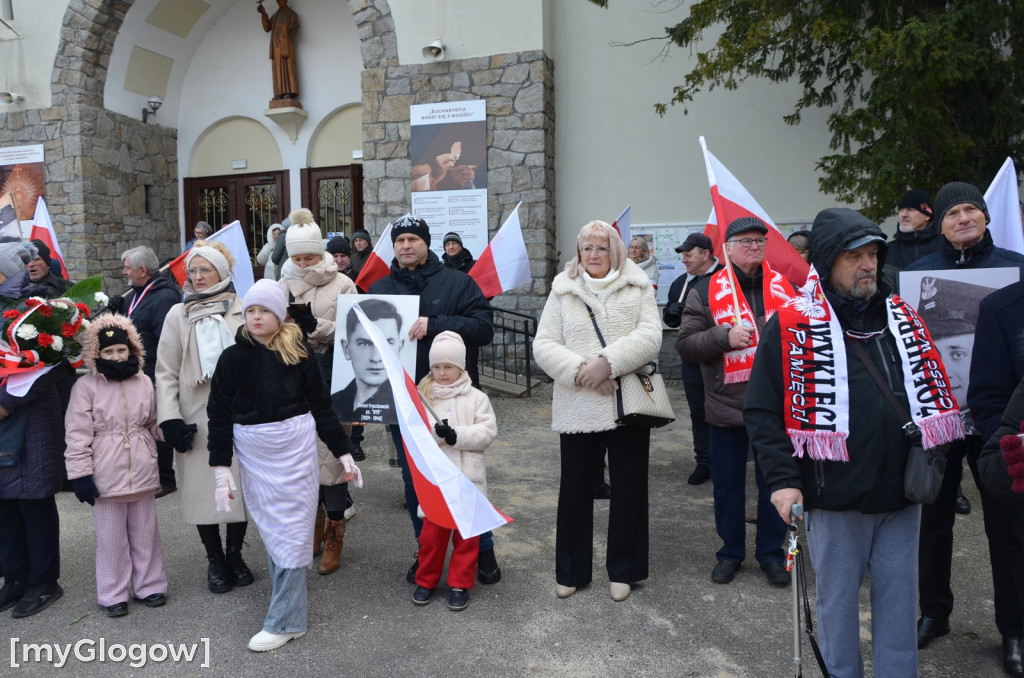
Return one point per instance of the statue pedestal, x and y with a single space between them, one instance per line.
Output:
289 118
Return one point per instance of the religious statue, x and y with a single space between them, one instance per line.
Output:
282 26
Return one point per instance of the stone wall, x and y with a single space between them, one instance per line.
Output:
519 91
111 181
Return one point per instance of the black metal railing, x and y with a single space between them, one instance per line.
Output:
508 357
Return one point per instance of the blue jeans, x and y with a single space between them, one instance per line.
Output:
411 502
288 602
728 457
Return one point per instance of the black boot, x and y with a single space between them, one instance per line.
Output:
487 570
217 576
239 572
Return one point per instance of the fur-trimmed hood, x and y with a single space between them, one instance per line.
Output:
90 339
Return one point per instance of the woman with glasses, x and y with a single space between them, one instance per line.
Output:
600 279
194 335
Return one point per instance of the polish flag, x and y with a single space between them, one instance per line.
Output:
622 226
230 236
1003 201
447 497
504 264
378 264
732 201
42 229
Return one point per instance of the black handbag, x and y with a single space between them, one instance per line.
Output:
922 478
641 398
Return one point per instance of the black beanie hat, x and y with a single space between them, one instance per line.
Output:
361 233
918 200
413 225
452 236
44 251
338 245
112 336
955 193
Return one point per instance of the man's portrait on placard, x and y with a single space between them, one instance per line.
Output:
362 391
948 302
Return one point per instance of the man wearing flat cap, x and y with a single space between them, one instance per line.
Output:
828 439
699 259
962 216
724 339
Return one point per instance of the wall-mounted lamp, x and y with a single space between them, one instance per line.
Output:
434 51
155 103
10 97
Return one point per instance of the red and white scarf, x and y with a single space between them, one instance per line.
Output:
814 372
775 290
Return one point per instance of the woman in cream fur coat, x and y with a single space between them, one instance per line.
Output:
567 348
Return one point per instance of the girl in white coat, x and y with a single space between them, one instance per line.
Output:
466 429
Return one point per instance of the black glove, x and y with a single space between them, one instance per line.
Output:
445 432
673 313
303 316
114 303
178 434
85 490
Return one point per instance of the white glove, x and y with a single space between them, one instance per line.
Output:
225 486
419 512
352 470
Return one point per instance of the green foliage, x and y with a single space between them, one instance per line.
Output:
921 92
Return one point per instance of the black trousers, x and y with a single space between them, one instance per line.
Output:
1005 532
628 540
165 463
30 540
693 386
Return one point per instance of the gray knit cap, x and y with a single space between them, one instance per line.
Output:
955 193
11 258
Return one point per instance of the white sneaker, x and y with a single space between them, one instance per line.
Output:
265 640
350 511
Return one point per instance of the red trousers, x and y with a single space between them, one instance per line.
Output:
433 546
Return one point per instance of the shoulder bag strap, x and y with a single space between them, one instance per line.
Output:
593 319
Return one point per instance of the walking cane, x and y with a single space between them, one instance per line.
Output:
792 567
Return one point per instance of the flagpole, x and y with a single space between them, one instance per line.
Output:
732 282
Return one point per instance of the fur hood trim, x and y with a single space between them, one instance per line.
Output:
90 339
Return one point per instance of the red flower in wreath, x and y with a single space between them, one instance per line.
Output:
11 314
68 330
45 340
46 311
83 309
32 303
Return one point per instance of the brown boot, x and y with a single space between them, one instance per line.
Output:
318 530
334 540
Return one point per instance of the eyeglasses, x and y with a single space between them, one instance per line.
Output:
749 242
193 272
589 249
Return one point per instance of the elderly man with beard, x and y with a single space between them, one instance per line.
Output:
827 437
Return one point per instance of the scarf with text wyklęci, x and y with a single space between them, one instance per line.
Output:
814 370
775 290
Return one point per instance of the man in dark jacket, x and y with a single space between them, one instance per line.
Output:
916 234
708 334
362 246
41 275
962 216
455 254
699 259
858 518
449 300
147 303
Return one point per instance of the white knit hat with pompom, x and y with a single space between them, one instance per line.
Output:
303 236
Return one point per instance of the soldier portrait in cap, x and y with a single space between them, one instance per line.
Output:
948 302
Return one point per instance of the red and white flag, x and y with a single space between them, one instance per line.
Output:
378 264
447 497
622 226
1003 201
732 201
232 238
504 264
42 229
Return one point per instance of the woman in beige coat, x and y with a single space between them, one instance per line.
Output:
584 369
310 276
194 335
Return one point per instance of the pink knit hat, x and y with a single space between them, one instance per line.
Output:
448 347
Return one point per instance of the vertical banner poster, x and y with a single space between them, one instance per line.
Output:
22 183
360 388
448 152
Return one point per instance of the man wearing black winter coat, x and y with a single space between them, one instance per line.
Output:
962 215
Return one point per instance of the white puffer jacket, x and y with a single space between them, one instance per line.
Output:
628 317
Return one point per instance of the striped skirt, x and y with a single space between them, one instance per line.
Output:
281 482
